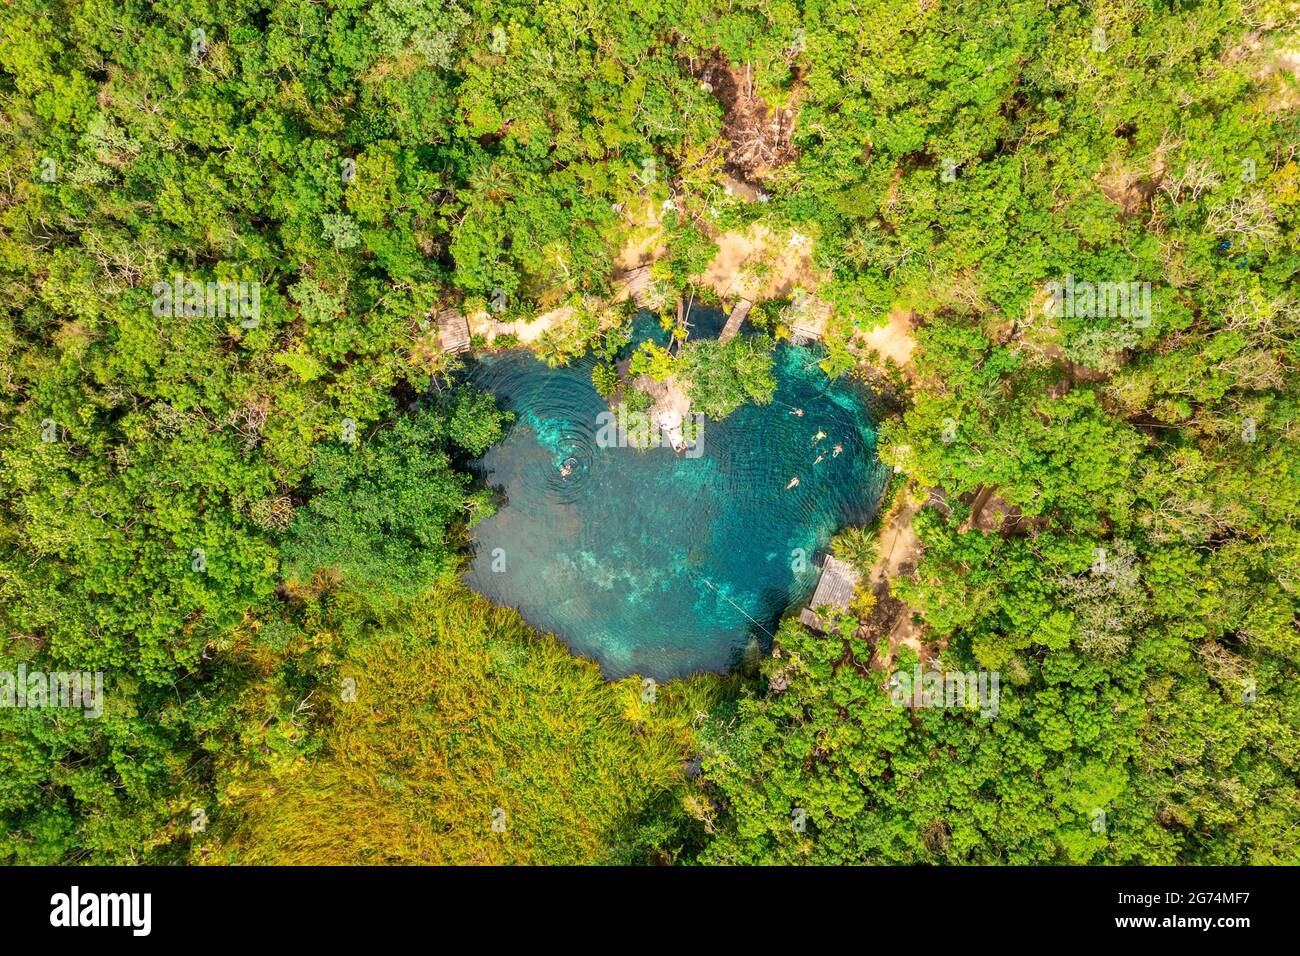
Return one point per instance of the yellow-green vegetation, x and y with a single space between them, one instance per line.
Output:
462 709
1093 208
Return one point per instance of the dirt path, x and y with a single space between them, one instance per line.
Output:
899 545
894 623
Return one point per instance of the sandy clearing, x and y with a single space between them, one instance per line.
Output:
759 264
528 332
755 264
893 340
644 243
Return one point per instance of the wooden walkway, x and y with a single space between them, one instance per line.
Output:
834 590
637 283
453 331
800 335
734 321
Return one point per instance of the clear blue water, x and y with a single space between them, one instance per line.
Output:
654 563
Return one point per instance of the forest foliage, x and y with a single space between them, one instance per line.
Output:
230 512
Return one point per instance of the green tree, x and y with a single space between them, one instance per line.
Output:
385 514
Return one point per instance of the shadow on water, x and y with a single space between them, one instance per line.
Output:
653 563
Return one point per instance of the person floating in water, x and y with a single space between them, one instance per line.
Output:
819 459
818 437
793 482
835 452
796 411
567 470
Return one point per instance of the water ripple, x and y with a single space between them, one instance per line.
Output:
655 563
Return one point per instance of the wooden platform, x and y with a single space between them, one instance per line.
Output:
800 335
637 283
834 590
808 619
453 331
735 320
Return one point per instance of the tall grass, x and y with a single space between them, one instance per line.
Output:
461 708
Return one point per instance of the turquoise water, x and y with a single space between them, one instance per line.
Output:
655 563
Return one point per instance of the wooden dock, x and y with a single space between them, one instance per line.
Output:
802 335
453 331
637 284
834 590
738 313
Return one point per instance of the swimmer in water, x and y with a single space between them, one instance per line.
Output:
793 481
835 452
820 458
567 470
818 437
796 411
